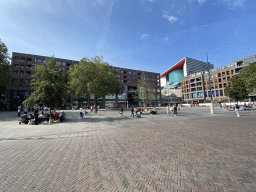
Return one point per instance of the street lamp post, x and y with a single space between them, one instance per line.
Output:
211 105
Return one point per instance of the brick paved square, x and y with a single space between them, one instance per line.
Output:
194 151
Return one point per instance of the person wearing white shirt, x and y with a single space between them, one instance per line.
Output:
84 112
81 112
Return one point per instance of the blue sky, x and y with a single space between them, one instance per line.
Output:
150 35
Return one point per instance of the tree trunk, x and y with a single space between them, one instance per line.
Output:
95 101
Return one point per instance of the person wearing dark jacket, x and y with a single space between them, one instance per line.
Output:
175 110
36 116
132 112
121 111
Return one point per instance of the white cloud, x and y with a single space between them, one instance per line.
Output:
201 1
172 19
144 36
151 1
235 2
166 39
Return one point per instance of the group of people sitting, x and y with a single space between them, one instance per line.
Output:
41 117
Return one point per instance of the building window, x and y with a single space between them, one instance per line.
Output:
220 85
135 77
14 82
122 71
38 60
129 72
250 60
223 73
129 77
217 93
219 75
232 72
118 75
205 94
122 80
43 61
125 81
129 81
221 93
135 82
27 82
21 82
135 73
228 73
63 63
193 95
200 95
215 75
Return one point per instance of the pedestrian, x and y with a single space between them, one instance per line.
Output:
81 112
19 111
167 109
172 109
95 110
237 110
84 112
26 110
132 110
36 116
121 111
106 107
175 110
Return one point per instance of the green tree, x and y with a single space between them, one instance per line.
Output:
145 91
248 74
50 84
4 66
94 76
236 89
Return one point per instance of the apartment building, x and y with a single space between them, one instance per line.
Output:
195 88
21 71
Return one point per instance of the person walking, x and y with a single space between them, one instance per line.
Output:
95 110
167 109
19 111
121 111
172 109
175 110
237 110
81 112
132 112
36 116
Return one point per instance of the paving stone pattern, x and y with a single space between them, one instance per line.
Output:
193 151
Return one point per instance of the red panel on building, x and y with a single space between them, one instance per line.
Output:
176 66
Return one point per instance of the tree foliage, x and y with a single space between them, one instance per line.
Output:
50 84
144 91
248 74
236 89
94 76
4 66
